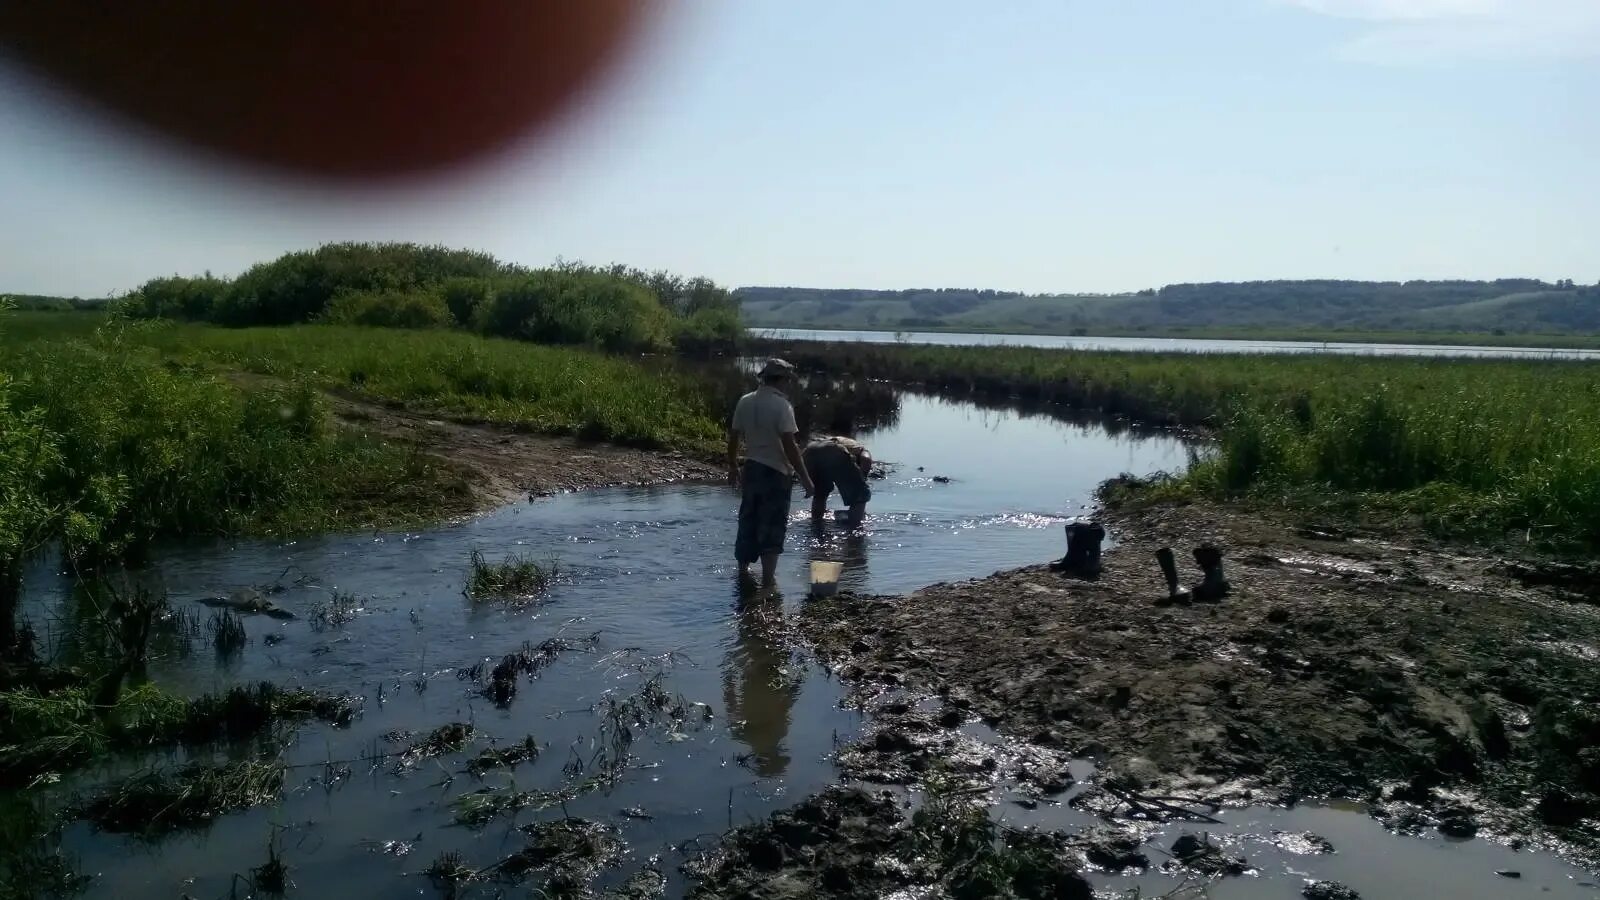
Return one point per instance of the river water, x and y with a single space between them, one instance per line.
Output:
649 573
1169 345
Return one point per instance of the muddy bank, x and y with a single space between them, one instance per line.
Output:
503 464
848 843
1453 691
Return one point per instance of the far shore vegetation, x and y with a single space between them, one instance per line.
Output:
1475 447
1521 311
1533 340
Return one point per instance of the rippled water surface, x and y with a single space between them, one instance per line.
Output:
648 573
647 570
1171 345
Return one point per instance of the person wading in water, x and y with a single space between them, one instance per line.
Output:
843 463
764 421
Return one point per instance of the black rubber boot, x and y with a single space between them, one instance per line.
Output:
1083 550
1214 586
1169 571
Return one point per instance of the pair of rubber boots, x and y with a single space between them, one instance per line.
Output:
1083 550
1213 585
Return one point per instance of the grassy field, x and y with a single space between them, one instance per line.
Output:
119 444
114 433
550 390
1474 446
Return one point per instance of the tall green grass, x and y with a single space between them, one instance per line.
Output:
149 449
550 390
112 445
1474 445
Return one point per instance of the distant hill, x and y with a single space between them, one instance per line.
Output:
1510 306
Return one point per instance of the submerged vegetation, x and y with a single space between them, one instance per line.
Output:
159 802
1475 446
48 731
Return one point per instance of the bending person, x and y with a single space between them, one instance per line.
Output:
843 463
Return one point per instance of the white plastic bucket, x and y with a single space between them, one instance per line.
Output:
825 578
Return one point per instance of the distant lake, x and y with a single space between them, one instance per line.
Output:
1168 345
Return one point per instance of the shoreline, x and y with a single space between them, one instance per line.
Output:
1432 684
505 464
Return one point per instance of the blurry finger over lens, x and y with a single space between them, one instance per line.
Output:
334 88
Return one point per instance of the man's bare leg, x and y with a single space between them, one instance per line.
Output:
819 507
769 569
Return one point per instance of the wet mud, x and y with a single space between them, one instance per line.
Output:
503 464
1451 691
851 843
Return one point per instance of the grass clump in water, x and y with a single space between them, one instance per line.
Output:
161 802
450 874
505 757
570 851
451 738
500 680
227 633
341 609
515 577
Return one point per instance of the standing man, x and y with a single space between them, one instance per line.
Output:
843 463
764 421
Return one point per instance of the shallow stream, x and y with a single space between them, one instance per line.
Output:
649 573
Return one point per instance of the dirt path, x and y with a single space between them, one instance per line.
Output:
504 464
1453 690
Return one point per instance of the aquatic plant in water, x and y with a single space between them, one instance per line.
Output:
513 578
227 633
159 802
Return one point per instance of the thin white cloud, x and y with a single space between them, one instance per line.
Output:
1401 10
1429 31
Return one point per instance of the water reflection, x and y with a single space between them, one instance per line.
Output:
759 688
835 542
833 405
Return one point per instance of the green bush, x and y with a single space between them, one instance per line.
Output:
389 309
297 287
582 307
707 331
410 286
29 455
464 295
174 297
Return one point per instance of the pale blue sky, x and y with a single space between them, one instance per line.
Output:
1039 145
